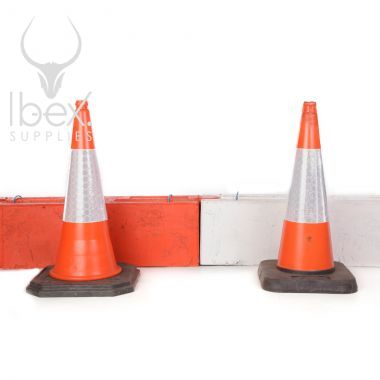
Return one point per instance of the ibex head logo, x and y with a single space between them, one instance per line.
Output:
51 77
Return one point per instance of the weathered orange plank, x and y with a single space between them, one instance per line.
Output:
145 231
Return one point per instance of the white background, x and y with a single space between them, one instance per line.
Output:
191 323
195 97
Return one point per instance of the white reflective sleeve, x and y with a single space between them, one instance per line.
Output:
84 201
307 197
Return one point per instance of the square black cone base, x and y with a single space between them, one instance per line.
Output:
45 286
341 281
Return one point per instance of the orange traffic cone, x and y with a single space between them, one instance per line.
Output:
86 264
305 263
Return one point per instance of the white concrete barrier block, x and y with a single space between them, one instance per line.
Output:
248 230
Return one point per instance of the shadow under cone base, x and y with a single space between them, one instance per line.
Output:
45 286
341 281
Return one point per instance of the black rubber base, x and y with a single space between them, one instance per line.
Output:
45 286
341 281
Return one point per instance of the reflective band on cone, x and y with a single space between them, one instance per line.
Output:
306 243
85 251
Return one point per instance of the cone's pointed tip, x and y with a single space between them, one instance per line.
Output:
82 137
309 130
83 104
309 107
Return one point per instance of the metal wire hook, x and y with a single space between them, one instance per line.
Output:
16 197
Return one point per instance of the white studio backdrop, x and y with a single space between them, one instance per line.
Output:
193 96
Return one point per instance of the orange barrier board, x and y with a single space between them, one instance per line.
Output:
145 231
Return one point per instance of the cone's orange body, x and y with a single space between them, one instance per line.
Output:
306 242
305 247
85 251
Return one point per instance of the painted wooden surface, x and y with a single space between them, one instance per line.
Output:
145 231
248 230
